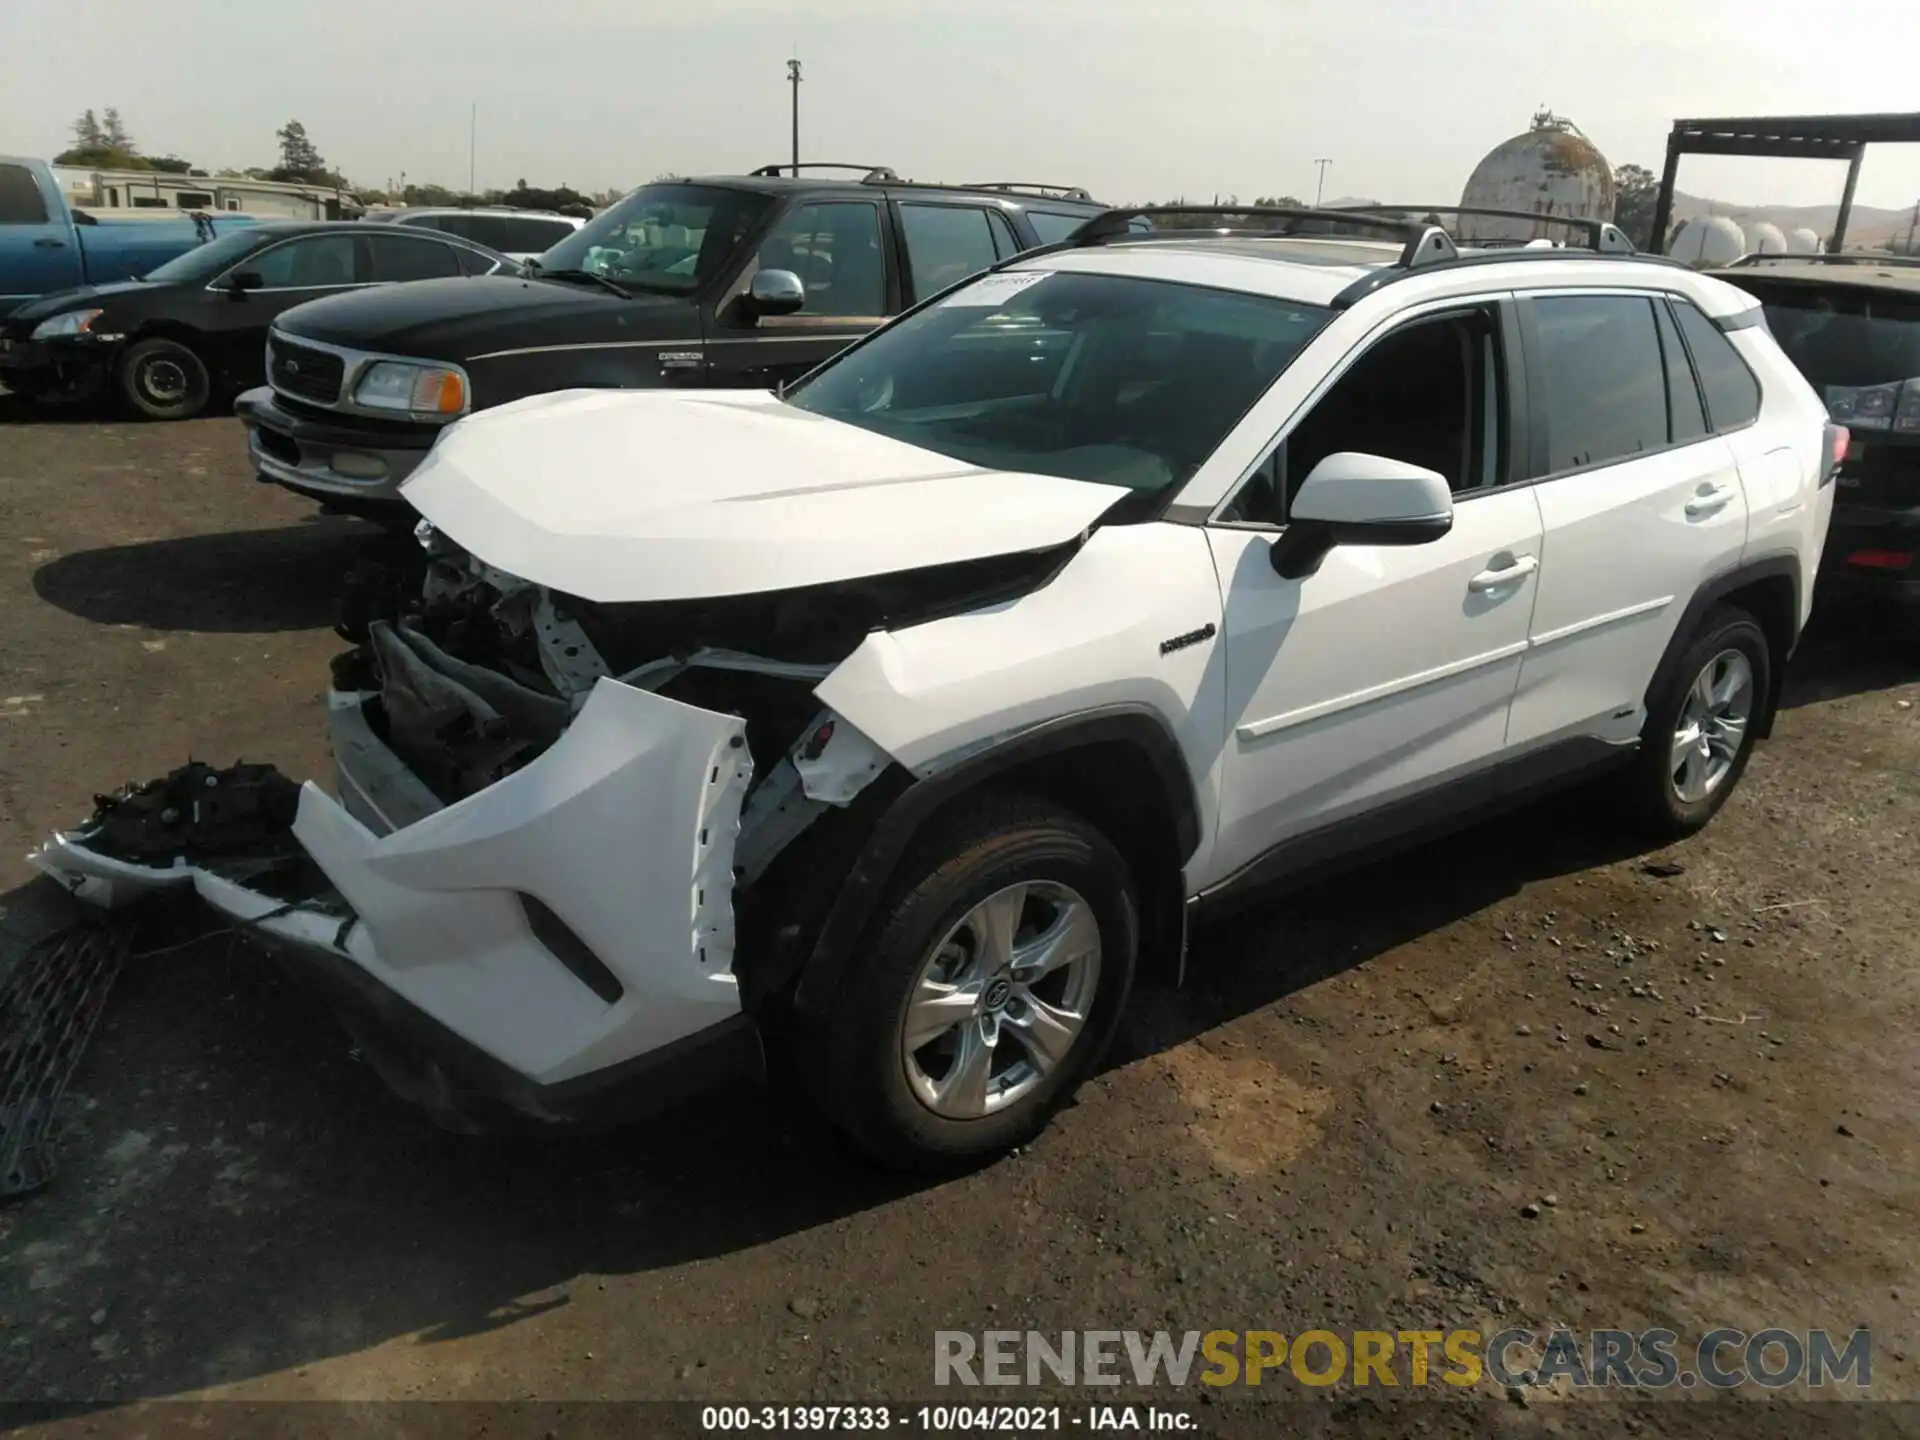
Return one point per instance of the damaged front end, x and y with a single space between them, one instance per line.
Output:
553 821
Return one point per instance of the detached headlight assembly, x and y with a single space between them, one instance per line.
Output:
425 392
74 322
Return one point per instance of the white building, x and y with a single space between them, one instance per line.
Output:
153 190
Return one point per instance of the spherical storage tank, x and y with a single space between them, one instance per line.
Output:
1551 170
1766 239
1803 242
1704 244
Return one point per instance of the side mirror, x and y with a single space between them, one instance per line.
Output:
1355 499
775 292
242 281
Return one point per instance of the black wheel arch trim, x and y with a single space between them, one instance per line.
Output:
1782 566
859 896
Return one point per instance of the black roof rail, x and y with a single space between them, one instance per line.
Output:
1420 244
1602 235
876 174
1842 257
1386 275
1057 192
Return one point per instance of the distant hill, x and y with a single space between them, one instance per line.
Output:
1867 226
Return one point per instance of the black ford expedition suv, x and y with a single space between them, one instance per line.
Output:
733 281
1851 323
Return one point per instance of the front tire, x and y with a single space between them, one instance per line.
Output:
992 982
1700 729
163 380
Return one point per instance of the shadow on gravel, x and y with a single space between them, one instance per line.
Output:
240 1196
1850 650
233 582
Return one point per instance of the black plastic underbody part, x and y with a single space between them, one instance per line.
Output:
50 1003
242 815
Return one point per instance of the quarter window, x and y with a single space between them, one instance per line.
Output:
945 244
1733 395
1600 368
834 247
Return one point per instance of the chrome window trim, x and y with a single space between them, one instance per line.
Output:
354 365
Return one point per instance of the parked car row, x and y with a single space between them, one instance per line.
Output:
194 328
911 711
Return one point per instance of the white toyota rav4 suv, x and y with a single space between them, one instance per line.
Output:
912 713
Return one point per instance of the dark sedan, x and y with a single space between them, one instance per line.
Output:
195 328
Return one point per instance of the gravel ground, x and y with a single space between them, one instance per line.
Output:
1527 1077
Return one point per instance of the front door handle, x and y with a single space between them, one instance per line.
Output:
1709 501
1494 579
50 242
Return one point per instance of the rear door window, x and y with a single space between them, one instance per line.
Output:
946 244
399 258
20 200
1686 419
1053 227
531 235
1605 387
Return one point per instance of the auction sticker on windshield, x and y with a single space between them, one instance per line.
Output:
996 289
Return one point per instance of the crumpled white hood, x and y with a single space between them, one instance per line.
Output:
624 496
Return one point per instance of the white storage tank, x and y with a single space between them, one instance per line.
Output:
1550 170
1766 239
1804 242
1705 244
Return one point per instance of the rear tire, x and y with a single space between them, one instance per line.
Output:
163 380
990 984
1699 733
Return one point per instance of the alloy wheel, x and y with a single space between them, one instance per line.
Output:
1000 1001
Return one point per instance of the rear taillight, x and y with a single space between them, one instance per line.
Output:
1833 450
1882 559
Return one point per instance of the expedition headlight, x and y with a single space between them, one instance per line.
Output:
427 392
73 322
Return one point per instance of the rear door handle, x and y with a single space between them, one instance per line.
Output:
1708 501
1494 579
50 242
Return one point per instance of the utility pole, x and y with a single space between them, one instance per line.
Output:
793 79
1320 185
473 128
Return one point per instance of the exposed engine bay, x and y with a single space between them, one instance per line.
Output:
478 673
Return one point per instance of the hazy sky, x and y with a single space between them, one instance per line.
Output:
1130 98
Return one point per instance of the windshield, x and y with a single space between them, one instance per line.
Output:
1113 379
670 238
203 262
1841 337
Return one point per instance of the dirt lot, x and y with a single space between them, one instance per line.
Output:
1705 1057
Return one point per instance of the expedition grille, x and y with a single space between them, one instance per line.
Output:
310 374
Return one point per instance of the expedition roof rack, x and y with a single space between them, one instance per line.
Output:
874 174
1843 257
1029 187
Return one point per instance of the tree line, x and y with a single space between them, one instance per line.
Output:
103 142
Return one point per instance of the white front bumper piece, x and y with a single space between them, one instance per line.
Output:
562 922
